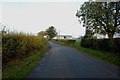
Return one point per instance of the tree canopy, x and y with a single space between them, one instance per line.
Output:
42 33
102 17
51 32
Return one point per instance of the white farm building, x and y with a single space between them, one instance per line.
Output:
65 37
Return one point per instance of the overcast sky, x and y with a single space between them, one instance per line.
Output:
38 16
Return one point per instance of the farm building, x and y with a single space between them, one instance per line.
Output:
66 37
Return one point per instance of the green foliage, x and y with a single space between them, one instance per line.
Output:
42 33
101 18
65 42
101 44
18 69
51 32
20 45
106 56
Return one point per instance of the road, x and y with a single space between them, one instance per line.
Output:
66 62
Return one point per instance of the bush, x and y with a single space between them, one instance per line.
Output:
101 44
20 45
65 42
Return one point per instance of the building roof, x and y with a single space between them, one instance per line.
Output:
64 35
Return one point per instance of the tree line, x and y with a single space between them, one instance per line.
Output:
49 32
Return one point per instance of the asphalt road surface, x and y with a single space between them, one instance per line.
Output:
66 62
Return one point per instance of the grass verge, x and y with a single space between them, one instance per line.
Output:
106 56
19 68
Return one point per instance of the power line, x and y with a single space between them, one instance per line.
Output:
68 27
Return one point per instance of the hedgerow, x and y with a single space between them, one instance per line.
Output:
65 42
102 44
20 45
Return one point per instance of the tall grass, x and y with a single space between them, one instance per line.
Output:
18 45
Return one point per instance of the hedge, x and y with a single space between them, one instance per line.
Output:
65 42
102 44
20 45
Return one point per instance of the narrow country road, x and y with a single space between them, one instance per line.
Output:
66 62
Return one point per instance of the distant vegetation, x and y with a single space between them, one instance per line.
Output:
64 42
50 32
42 33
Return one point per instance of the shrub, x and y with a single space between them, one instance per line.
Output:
101 44
20 45
65 42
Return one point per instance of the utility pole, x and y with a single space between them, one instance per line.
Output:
59 34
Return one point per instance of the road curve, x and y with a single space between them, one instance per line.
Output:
66 62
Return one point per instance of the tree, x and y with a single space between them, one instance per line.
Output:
51 32
42 33
102 17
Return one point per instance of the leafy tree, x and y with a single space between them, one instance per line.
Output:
42 33
51 32
102 17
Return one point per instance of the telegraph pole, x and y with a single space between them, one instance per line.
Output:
59 34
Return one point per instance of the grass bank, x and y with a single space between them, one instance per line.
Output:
20 68
106 56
